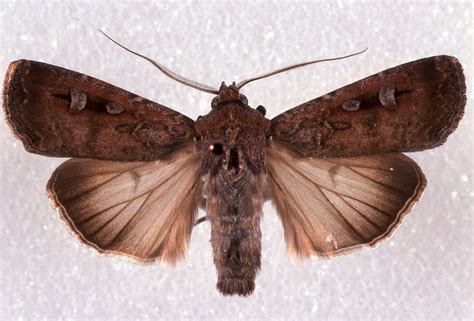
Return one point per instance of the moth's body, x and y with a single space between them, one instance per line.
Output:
333 170
232 139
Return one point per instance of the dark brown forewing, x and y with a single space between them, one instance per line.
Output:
332 205
142 210
58 112
407 108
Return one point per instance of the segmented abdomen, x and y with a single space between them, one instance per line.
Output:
234 210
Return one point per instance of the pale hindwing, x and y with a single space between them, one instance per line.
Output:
143 210
331 205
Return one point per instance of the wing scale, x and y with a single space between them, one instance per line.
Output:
62 113
410 107
332 205
143 210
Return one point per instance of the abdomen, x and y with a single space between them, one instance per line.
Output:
234 210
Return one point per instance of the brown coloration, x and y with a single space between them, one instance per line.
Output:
232 141
234 209
329 206
430 99
146 210
228 93
61 113
142 210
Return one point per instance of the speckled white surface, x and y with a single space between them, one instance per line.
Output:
425 271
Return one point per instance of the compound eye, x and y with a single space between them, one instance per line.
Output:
243 99
215 102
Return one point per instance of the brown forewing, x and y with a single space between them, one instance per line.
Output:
62 113
410 107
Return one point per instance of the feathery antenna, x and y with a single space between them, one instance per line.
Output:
168 72
245 82
212 90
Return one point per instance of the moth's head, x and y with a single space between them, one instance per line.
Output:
228 94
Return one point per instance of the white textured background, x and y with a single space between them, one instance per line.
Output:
425 271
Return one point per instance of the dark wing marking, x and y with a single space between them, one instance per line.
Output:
62 113
410 107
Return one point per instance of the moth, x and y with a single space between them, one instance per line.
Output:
332 167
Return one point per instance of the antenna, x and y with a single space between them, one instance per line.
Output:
168 72
245 82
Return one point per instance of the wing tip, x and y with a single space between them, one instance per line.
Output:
453 90
13 97
15 100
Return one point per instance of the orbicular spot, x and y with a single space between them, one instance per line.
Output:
351 105
78 100
339 125
387 96
114 108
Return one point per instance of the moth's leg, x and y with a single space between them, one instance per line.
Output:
203 206
200 220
